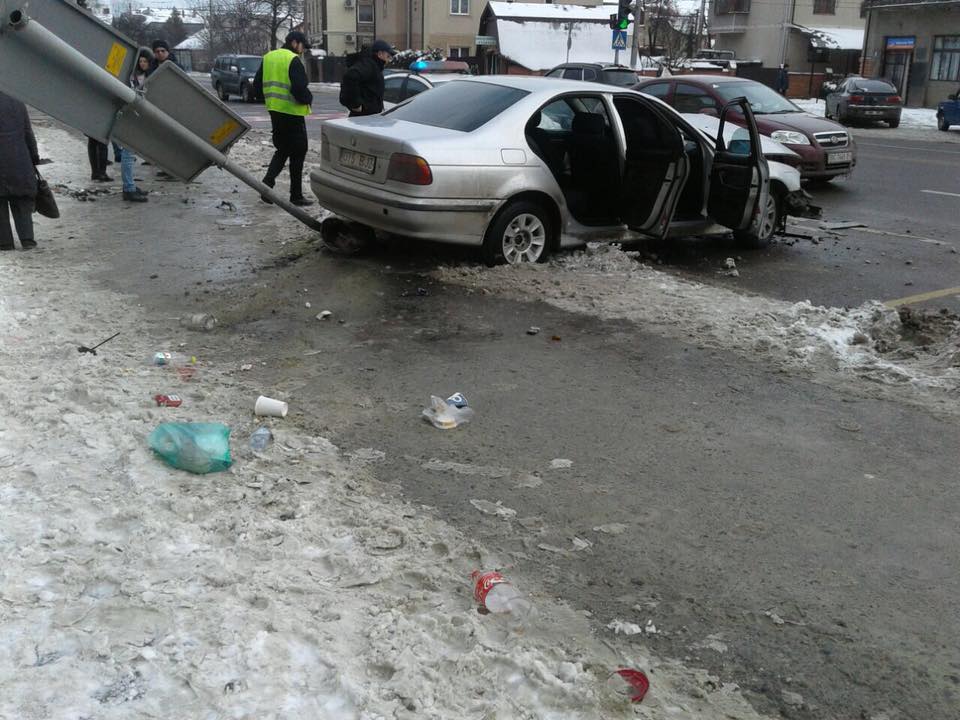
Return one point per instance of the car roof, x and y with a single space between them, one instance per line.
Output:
708 79
601 65
536 84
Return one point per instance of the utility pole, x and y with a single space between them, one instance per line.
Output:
701 23
638 15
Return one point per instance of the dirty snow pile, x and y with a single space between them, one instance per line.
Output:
834 345
290 586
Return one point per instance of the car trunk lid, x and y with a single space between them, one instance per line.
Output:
362 147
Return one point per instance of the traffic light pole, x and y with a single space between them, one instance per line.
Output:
635 43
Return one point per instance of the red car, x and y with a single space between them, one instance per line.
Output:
825 147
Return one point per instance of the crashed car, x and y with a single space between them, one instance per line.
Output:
523 166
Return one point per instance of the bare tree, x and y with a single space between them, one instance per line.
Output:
234 26
279 14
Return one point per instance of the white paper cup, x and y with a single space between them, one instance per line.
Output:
270 407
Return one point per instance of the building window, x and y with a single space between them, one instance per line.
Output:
824 7
459 7
365 13
459 52
726 7
946 58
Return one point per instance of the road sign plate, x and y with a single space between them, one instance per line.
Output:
619 41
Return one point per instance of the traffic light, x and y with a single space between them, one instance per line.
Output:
624 14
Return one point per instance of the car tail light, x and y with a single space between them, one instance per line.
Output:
894 100
856 99
409 169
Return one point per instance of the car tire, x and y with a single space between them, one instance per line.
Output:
521 232
942 123
894 123
842 119
224 96
246 95
771 221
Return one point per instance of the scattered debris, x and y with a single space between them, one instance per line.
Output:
791 699
529 481
199 448
533 330
441 414
620 627
777 620
307 304
268 407
168 400
729 264
650 628
260 439
842 225
849 426
581 544
560 464
199 321
227 205
324 315
246 366
495 509
632 683
93 350
611 529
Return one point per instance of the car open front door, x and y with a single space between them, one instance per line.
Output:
655 166
739 178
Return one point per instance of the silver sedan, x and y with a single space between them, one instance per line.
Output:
521 166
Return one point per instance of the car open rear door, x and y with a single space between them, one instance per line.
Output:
739 177
655 166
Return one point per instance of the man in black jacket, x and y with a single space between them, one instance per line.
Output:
361 90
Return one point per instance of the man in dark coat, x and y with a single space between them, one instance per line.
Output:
161 54
18 175
361 90
783 79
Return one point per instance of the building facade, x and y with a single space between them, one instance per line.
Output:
916 46
811 36
343 26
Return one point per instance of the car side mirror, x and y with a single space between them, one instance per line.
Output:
234 68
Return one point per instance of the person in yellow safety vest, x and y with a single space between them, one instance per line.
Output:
282 83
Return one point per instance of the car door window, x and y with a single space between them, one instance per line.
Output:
556 116
691 99
573 74
658 90
415 86
589 74
558 72
393 88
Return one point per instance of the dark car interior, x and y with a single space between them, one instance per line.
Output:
575 138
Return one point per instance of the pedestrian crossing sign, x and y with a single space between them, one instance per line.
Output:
619 40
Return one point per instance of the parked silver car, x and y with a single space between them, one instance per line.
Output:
521 166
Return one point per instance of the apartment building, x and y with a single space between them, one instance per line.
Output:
343 26
809 35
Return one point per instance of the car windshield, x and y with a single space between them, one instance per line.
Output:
458 105
763 100
877 86
251 64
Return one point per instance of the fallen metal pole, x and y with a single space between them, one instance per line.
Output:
129 105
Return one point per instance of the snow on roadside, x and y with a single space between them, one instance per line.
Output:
835 346
922 118
290 586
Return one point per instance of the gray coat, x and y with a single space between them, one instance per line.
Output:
18 150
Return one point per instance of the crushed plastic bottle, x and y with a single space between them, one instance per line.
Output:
445 415
260 439
630 683
493 592
172 359
199 321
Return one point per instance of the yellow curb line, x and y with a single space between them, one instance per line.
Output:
932 295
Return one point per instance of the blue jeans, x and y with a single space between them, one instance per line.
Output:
126 170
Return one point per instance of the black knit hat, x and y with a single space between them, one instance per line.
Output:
160 44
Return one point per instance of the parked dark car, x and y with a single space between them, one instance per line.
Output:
858 98
948 112
605 73
825 148
233 75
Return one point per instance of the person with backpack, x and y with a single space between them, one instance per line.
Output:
361 90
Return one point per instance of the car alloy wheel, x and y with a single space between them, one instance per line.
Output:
221 94
520 233
524 239
768 224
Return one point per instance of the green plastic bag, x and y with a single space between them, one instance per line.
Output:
195 447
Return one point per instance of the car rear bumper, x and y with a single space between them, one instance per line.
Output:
866 112
455 220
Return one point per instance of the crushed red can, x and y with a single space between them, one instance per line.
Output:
634 684
168 400
484 583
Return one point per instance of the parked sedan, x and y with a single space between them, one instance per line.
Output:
521 166
857 98
605 73
826 148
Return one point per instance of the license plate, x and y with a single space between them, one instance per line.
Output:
839 157
874 112
358 161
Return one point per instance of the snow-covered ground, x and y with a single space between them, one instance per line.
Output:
290 586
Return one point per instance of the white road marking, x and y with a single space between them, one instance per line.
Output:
941 192
801 222
939 151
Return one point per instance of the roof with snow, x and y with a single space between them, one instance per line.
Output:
197 41
161 15
545 11
834 37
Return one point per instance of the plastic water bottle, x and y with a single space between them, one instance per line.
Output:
173 359
199 321
492 591
260 439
